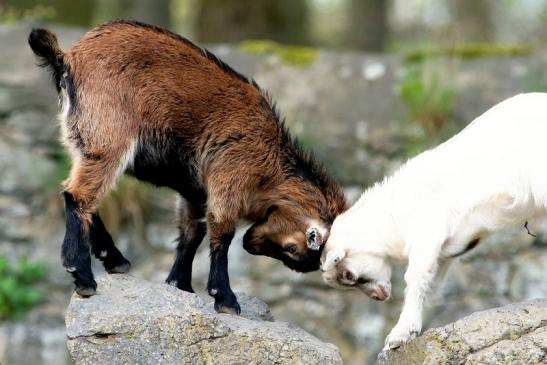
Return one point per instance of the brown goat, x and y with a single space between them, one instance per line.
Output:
143 101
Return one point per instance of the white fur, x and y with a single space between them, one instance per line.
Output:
491 175
64 102
128 157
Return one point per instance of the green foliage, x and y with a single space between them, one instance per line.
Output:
430 99
469 51
292 55
429 94
17 294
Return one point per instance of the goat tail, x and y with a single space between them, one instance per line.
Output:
45 46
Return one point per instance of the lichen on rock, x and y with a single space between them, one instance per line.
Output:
513 334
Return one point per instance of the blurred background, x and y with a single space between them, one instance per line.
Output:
364 83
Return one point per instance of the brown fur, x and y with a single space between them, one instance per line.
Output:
135 83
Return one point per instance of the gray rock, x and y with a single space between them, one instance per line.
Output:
513 334
131 321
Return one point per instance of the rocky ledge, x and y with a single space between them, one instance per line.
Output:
513 334
131 321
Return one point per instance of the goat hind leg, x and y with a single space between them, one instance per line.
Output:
75 249
89 181
104 249
191 232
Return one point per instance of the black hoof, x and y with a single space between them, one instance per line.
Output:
188 289
227 304
182 284
121 267
86 291
84 282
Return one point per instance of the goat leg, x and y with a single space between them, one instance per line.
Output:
218 284
192 230
104 249
75 249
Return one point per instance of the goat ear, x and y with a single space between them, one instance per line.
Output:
332 258
313 239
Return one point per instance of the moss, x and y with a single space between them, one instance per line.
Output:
470 51
11 14
292 55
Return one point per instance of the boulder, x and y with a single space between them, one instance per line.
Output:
513 334
131 321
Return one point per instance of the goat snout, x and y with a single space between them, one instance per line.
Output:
380 293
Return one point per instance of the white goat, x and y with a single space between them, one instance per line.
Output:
439 204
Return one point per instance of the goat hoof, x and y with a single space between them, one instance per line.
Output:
120 269
228 310
398 338
228 305
183 287
86 291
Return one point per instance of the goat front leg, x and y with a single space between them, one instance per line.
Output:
218 285
419 277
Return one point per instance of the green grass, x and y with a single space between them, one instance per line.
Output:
17 292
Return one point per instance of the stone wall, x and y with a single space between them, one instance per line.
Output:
344 106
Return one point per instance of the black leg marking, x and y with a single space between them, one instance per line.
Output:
104 249
218 285
75 250
181 272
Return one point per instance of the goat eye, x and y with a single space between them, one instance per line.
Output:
291 249
363 280
348 275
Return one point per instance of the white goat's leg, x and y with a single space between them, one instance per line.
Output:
419 277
